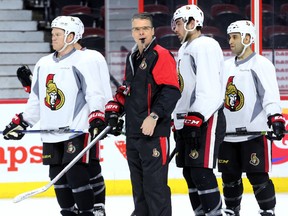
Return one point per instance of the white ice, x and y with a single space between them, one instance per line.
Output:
123 206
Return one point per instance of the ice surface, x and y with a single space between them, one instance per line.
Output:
123 206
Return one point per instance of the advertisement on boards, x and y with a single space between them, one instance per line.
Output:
21 161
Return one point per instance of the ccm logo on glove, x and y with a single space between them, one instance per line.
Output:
193 121
278 118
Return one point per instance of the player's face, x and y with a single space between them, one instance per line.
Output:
179 29
235 43
57 38
142 30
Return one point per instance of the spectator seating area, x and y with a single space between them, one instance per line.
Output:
218 15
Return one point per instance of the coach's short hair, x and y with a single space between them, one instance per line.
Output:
144 15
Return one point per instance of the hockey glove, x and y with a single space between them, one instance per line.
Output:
96 123
25 77
17 124
113 110
121 93
192 129
277 122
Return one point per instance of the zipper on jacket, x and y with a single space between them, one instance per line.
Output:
149 98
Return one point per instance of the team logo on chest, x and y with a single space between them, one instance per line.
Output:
143 64
181 82
54 96
180 78
234 98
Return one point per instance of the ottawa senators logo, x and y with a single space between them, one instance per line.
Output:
143 64
234 99
156 153
254 160
180 78
54 97
71 148
194 154
181 82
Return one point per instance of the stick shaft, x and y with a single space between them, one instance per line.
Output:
172 155
52 131
247 133
28 194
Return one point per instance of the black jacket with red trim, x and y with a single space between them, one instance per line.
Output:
154 87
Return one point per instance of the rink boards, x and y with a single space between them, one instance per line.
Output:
22 170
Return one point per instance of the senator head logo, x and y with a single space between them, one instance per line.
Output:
54 96
234 99
180 78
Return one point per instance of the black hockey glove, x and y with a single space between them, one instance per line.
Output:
113 110
25 77
17 124
96 123
191 131
277 122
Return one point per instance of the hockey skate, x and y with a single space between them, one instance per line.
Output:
232 211
99 210
267 212
68 213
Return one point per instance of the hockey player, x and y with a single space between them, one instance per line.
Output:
66 87
148 97
251 101
198 116
96 179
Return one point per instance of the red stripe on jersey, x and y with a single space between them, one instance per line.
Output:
266 156
97 150
84 158
163 146
208 143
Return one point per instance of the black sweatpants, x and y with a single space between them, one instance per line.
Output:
148 163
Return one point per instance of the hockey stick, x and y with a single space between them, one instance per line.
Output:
247 133
240 133
172 155
114 81
28 194
60 130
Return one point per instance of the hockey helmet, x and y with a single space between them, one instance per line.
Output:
69 24
243 27
187 11
80 32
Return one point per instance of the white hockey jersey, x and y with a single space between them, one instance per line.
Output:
251 94
199 67
65 91
102 69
